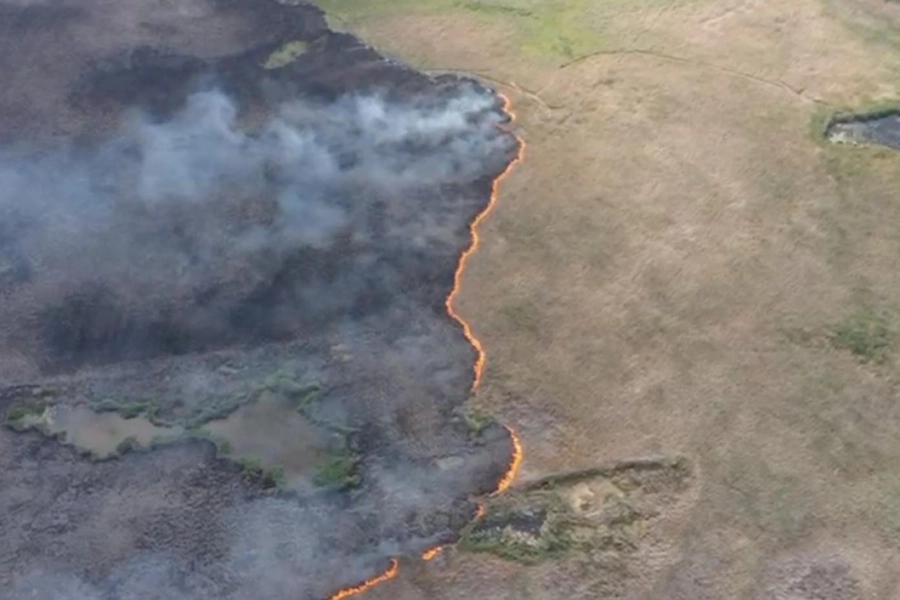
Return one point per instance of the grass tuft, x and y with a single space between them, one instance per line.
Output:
19 413
865 335
478 420
337 473
285 55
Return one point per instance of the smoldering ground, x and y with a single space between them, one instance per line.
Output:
215 229
196 232
174 524
307 218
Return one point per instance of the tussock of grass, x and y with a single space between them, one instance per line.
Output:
337 473
477 420
510 548
542 520
521 546
149 407
866 335
286 54
219 408
254 471
19 413
495 9
126 410
299 395
677 466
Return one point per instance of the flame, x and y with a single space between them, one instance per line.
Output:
516 460
476 241
389 573
514 463
432 552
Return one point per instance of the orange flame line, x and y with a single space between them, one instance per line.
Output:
431 553
389 573
476 241
516 460
514 463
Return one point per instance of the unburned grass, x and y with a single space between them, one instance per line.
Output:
868 336
551 29
337 473
285 55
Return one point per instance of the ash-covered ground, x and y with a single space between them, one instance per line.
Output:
208 202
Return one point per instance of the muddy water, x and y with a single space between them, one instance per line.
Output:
269 431
274 433
883 130
101 433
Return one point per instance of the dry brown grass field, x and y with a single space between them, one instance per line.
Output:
682 266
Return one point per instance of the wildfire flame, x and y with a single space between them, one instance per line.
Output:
389 573
516 460
476 241
514 463
431 553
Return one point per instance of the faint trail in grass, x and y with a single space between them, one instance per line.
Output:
483 74
775 83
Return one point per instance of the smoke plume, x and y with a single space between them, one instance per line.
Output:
212 228
217 227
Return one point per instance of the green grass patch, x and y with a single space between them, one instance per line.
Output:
299 394
677 468
477 420
560 30
491 8
513 549
285 55
527 534
21 411
130 409
542 521
219 408
338 473
866 335
254 471
17 414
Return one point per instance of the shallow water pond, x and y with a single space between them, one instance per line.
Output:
883 130
101 433
275 434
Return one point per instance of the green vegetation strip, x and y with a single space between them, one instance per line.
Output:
338 473
285 55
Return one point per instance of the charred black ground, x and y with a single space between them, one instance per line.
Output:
186 232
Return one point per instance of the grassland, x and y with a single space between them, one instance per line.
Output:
549 29
683 265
